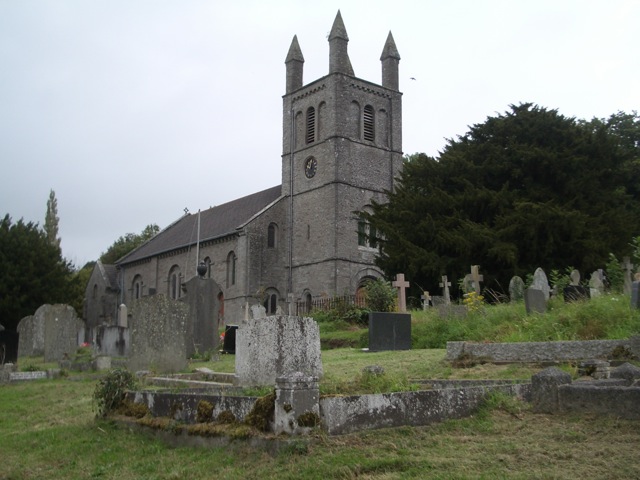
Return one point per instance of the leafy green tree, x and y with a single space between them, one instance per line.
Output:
529 188
128 243
33 272
51 220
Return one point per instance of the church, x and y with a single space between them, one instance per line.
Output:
292 244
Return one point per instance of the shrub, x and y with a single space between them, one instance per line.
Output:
110 391
380 295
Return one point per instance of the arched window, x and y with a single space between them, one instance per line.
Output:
136 287
308 302
173 282
310 134
369 124
272 236
231 269
271 303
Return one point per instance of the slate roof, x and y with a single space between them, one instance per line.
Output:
215 222
110 274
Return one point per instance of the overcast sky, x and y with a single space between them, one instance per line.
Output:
132 110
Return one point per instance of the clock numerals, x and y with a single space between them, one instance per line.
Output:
310 167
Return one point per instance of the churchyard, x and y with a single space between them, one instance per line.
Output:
508 428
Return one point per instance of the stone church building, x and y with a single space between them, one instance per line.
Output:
298 241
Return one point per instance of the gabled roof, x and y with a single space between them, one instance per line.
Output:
215 222
110 275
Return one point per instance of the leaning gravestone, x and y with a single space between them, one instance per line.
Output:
541 283
274 346
31 336
516 289
158 331
202 325
535 301
63 331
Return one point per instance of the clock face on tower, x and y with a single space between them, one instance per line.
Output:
310 167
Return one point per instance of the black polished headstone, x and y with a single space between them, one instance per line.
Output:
229 345
573 293
389 331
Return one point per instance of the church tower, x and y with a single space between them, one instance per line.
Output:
342 149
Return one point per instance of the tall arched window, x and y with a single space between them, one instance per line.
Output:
136 287
368 122
173 282
272 236
310 136
231 269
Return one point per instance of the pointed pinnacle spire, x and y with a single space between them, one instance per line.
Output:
338 30
338 40
295 53
390 50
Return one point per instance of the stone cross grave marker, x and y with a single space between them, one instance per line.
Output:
476 278
445 284
401 284
425 297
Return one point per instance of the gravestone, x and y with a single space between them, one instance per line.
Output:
426 298
31 336
445 284
574 278
63 331
627 267
229 343
258 311
516 289
535 301
274 346
437 300
596 284
541 283
202 325
123 316
157 333
635 294
389 331
401 284
452 311
476 278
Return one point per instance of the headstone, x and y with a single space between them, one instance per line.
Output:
627 267
635 294
123 318
426 298
229 343
274 346
63 331
158 335
202 326
452 311
389 331
535 301
574 277
258 311
544 389
516 289
476 278
401 284
437 300
574 293
297 404
445 284
31 339
541 283
596 284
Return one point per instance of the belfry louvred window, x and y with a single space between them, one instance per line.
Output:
310 136
368 123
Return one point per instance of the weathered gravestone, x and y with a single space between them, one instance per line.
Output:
574 291
389 331
426 298
541 283
471 282
445 284
452 311
627 267
516 289
535 301
258 311
31 336
202 325
635 294
158 332
274 346
63 331
574 278
596 283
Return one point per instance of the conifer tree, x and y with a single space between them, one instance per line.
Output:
51 220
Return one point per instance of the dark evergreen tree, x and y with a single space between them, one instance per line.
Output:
33 272
527 189
51 220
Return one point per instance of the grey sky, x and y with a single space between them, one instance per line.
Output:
132 110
